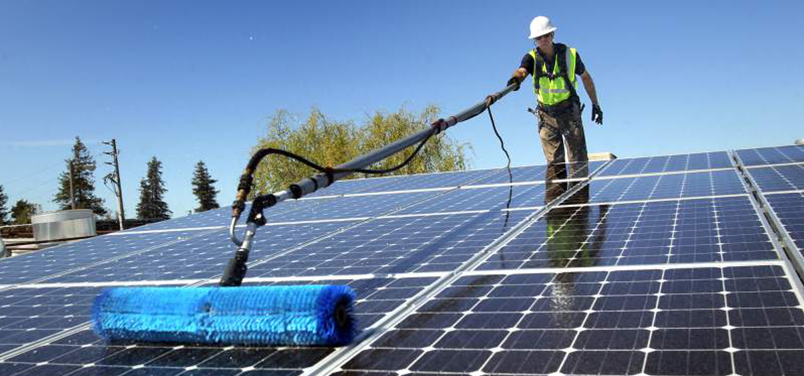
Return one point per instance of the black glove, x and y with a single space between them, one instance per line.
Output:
597 114
513 80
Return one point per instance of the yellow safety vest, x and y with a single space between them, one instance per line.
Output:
553 91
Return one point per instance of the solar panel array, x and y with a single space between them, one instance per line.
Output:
666 265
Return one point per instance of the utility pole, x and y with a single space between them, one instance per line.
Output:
115 178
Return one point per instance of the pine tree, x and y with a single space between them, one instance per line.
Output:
3 210
83 182
152 189
203 188
23 211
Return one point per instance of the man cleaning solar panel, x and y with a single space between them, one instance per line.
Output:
554 67
258 315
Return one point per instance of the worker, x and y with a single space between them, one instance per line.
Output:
554 67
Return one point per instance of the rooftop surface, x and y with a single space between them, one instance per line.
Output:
666 265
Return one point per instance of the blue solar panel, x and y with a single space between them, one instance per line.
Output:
435 180
772 155
201 257
686 231
84 350
494 198
302 210
66 257
542 173
396 245
779 178
790 210
670 163
407 182
637 308
696 184
654 322
30 314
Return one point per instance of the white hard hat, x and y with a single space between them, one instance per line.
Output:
540 26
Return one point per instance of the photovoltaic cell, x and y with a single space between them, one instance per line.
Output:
669 321
494 198
435 180
542 173
407 182
201 257
779 178
684 231
345 207
395 245
300 210
772 155
790 210
697 184
669 163
27 315
84 350
709 321
80 254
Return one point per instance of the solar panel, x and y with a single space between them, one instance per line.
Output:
705 321
660 265
652 187
84 350
408 182
772 155
779 178
682 231
395 245
669 163
790 210
201 257
67 257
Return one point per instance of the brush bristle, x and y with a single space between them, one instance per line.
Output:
258 315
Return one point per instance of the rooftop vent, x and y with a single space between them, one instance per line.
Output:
63 224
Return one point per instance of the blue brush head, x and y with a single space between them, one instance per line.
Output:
308 315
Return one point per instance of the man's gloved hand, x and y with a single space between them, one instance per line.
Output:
597 114
513 80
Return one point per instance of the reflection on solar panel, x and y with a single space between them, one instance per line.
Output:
661 265
689 321
772 155
779 178
653 187
670 163
790 209
682 231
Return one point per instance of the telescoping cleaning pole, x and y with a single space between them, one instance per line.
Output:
236 269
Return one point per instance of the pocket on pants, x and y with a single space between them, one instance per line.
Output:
548 133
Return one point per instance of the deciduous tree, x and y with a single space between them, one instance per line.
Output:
330 143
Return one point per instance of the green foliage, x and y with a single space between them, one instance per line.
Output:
83 182
3 210
204 189
23 211
152 190
330 143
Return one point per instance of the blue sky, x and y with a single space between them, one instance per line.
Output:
197 80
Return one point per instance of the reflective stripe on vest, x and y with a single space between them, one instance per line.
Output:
550 92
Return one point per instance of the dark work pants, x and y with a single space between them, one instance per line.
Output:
563 132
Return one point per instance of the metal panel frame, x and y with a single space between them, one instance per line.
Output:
786 244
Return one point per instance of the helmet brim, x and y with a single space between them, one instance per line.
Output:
544 32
